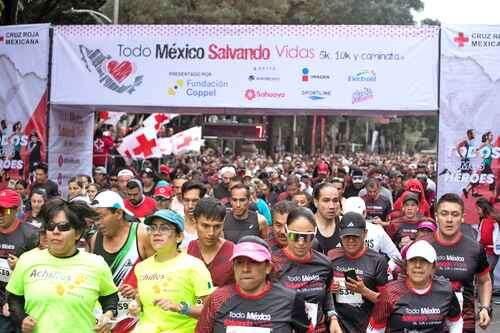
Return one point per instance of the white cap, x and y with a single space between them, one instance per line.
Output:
354 204
125 172
110 199
421 249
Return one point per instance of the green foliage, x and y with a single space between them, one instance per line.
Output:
265 11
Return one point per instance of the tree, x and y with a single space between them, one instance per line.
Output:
47 11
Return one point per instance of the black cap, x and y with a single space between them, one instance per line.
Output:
352 224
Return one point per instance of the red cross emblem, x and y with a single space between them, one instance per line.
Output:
185 143
104 115
145 146
461 39
160 119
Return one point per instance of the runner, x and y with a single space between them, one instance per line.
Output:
307 271
136 202
277 237
222 190
16 238
192 192
327 202
172 285
253 304
378 206
462 260
420 302
56 290
122 244
177 205
210 247
359 274
240 221
163 196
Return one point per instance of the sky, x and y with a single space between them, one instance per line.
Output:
461 11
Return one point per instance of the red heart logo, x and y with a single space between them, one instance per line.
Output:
120 71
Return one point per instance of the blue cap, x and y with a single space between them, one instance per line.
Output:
167 215
162 183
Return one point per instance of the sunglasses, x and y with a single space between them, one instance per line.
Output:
162 228
297 236
65 226
6 211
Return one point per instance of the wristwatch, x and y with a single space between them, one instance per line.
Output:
488 308
185 308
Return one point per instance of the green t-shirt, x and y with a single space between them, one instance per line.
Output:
61 293
181 279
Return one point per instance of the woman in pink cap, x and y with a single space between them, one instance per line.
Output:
254 304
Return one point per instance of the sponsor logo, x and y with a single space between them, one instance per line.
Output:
316 95
253 77
113 74
251 94
477 39
197 88
366 75
250 315
216 52
362 95
174 52
20 38
430 311
307 76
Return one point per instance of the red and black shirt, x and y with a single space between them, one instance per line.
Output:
401 309
277 309
310 277
459 262
353 311
220 268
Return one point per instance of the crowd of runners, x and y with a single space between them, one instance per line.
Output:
223 243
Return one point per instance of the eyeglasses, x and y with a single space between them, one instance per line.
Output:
64 226
297 236
162 228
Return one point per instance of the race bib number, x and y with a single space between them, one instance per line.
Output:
246 329
345 295
312 312
460 297
4 270
122 308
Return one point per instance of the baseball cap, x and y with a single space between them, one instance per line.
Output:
427 225
323 169
164 169
125 172
411 196
352 224
422 249
110 199
9 199
255 251
248 173
167 215
101 170
354 204
166 192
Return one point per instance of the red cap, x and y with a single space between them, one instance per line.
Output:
164 191
9 198
323 169
164 169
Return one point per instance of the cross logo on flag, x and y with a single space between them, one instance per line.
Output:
157 120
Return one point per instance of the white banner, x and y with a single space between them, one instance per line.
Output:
287 67
469 126
24 64
182 142
70 145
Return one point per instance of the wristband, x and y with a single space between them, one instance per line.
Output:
488 309
185 308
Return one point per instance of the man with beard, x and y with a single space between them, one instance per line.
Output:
240 220
221 190
210 247
139 204
122 244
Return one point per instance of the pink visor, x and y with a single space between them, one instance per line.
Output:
251 250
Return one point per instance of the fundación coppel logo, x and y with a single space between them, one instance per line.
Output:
461 39
172 91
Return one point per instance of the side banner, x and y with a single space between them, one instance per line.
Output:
70 145
284 67
24 64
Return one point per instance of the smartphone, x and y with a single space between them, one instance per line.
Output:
351 274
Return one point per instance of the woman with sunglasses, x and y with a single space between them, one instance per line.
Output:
171 285
307 271
358 274
55 290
